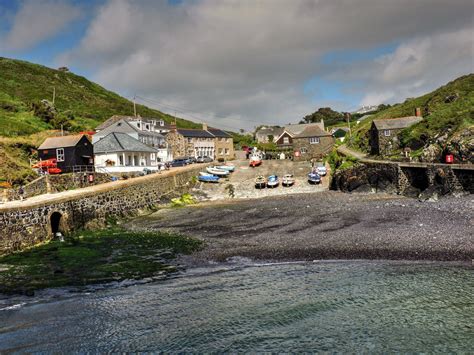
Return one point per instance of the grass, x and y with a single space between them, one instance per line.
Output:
87 258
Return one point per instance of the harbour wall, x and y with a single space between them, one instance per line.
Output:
26 223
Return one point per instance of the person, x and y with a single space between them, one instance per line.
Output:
21 192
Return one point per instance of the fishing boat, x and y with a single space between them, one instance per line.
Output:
314 178
229 168
273 181
260 182
288 180
218 172
206 177
255 160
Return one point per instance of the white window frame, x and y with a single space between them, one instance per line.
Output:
314 140
286 140
303 150
60 156
386 132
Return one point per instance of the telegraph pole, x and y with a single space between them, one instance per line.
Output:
348 118
54 94
134 107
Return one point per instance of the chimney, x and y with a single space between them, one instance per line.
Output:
204 126
322 124
418 112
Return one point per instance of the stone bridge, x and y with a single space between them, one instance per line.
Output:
26 223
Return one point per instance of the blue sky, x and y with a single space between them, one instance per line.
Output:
245 63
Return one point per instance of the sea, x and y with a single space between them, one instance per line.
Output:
243 306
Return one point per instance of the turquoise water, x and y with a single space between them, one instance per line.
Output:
341 306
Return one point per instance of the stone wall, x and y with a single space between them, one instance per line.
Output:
30 222
423 182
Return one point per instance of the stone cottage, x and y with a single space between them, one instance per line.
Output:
384 133
312 143
285 139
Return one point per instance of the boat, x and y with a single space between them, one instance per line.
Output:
206 177
218 172
255 160
321 170
48 163
273 181
229 168
288 180
260 182
314 178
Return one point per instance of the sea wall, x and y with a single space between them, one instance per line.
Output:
26 223
415 181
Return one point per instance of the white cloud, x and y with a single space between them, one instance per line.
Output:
249 59
38 20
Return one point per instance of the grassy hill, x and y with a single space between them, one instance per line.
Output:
448 119
79 105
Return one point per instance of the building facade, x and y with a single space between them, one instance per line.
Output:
312 143
70 152
384 134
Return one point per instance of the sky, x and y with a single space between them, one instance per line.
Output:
236 64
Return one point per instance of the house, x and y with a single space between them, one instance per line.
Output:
142 123
224 144
384 133
268 134
285 139
139 130
70 152
210 142
339 132
312 143
119 153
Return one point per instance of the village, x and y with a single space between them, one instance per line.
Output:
124 147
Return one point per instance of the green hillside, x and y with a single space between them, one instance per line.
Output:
448 113
25 121
80 104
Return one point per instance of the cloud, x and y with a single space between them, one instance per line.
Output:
38 20
245 62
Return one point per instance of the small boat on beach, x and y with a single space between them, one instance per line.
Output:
314 178
215 171
273 181
255 160
260 182
206 177
229 168
288 180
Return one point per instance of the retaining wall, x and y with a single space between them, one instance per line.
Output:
26 223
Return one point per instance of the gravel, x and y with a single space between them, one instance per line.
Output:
325 225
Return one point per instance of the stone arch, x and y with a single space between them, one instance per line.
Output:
57 222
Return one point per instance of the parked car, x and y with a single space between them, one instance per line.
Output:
179 162
191 160
204 159
321 169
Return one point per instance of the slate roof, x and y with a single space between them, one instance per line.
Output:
117 118
219 133
396 123
195 133
295 129
312 131
61 142
120 142
270 131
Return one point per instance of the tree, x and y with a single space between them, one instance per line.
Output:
327 114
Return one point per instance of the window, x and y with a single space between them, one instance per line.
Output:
121 160
138 125
227 151
386 133
304 150
147 127
286 140
60 154
314 140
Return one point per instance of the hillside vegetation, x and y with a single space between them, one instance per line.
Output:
79 105
448 121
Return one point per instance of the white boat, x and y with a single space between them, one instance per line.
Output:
218 172
229 168
260 182
288 180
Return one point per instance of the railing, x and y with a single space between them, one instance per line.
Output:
83 169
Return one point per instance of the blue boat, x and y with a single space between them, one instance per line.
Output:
205 177
314 178
272 181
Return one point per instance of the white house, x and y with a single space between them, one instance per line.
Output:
139 130
119 153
